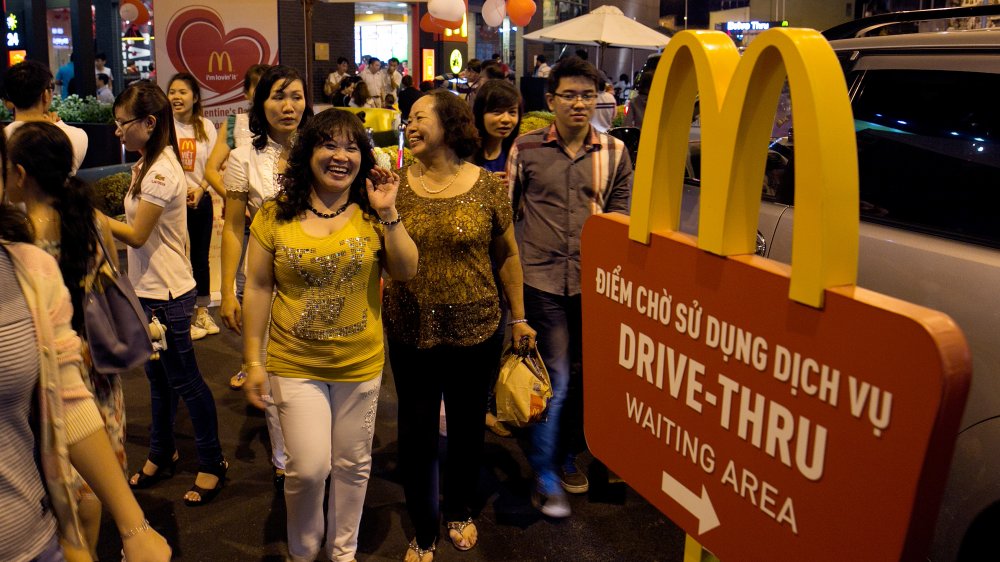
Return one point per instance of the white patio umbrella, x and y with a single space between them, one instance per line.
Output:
605 27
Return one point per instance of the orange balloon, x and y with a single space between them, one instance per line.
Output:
520 11
446 24
428 24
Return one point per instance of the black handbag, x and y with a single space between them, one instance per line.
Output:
117 331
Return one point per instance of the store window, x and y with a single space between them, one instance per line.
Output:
569 9
382 30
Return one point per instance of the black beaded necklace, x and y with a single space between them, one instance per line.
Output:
329 215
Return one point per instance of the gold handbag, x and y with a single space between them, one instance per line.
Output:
523 387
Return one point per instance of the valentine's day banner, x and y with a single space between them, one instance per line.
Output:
216 44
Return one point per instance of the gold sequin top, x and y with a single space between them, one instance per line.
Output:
453 299
326 320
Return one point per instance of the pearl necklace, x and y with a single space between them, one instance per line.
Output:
329 215
423 172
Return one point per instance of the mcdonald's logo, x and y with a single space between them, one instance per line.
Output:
745 404
215 60
737 101
187 144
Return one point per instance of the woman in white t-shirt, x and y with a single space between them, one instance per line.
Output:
158 267
195 137
253 175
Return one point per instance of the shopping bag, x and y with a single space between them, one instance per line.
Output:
523 387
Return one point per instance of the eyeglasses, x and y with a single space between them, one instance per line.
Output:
571 98
121 124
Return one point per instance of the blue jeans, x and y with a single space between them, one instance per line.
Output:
176 375
556 441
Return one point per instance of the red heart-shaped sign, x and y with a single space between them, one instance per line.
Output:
198 43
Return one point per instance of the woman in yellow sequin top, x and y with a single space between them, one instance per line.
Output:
320 247
442 324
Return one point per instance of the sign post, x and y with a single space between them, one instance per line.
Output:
774 413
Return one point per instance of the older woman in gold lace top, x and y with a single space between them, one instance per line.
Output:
442 324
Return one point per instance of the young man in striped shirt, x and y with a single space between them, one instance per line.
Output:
558 177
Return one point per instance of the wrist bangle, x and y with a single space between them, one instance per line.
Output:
392 222
249 364
136 530
518 321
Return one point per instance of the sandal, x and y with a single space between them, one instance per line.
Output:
496 426
164 470
420 552
236 381
463 542
206 495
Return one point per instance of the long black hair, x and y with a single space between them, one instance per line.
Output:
45 153
145 99
278 74
197 112
298 180
494 95
14 226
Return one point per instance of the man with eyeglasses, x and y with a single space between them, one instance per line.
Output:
28 86
559 176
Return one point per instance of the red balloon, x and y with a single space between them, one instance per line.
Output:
446 24
428 24
520 11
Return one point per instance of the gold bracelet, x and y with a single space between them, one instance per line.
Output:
135 531
249 364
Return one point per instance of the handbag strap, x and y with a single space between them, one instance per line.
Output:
104 255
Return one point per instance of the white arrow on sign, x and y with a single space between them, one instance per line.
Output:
700 507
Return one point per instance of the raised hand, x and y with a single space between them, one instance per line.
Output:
382 186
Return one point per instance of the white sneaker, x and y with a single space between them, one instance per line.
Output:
555 505
197 332
204 321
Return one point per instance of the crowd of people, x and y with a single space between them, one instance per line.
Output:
330 265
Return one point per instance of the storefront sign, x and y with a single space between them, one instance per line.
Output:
427 68
455 61
216 53
774 413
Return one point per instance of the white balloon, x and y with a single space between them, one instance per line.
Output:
128 12
494 12
448 10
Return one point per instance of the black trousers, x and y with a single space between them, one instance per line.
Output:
200 233
462 375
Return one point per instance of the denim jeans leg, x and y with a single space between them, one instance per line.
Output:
162 398
546 314
181 370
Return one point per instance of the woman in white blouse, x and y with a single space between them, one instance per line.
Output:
158 267
253 175
195 138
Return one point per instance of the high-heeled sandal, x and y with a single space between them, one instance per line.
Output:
206 495
164 469
420 552
459 527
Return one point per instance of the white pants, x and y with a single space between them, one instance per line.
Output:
328 430
273 427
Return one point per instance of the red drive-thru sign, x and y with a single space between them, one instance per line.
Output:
774 413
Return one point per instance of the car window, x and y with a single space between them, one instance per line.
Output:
927 151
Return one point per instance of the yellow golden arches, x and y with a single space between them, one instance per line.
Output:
737 104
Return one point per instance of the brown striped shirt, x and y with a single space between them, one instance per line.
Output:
554 192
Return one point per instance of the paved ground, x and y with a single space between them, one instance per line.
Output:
247 520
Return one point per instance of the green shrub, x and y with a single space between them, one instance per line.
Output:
6 114
75 109
110 193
